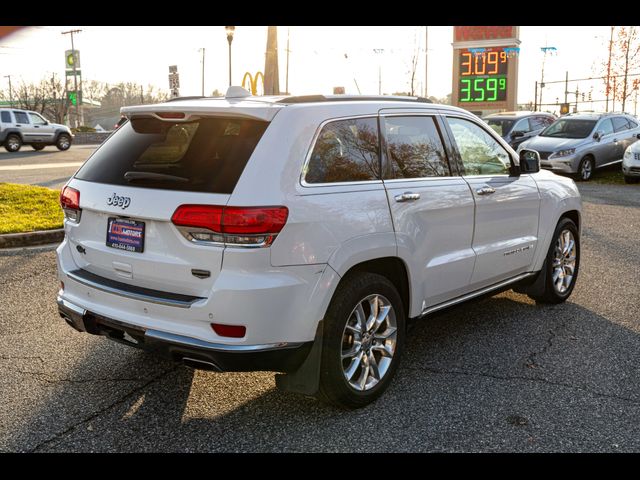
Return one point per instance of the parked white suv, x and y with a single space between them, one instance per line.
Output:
298 234
18 127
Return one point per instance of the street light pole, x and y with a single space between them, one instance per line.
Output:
75 77
202 71
230 31
545 50
426 61
10 91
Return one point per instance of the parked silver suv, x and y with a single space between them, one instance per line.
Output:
18 127
580 143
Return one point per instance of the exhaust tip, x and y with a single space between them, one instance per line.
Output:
200 364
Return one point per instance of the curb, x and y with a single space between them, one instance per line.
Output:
13 240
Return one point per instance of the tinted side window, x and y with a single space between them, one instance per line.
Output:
606 126
632 124
345 151
522 126
5 117
415 148
481 153
205 155
620 124
21 117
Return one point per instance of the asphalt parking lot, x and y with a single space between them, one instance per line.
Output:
500 374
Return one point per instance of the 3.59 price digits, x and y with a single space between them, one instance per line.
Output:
483 89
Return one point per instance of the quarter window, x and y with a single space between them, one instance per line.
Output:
5 117
21 117
481 154
345 151
415 148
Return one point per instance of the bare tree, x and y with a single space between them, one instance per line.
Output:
625 59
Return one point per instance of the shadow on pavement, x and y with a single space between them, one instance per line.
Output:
499 374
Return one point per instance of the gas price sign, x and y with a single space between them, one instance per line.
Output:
485 68
483 75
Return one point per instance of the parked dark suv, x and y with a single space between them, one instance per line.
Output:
516 127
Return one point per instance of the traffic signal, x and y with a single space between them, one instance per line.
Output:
72 97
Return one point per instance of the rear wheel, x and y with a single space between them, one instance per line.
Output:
363 341
628 179
63 142
13 143
586 168
37 146
562 264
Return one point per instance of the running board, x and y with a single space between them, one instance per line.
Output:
477 293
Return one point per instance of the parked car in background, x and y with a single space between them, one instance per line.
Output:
578 143
273 233
517 127
631 163
19 127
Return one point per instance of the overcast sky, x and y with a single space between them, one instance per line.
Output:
317 60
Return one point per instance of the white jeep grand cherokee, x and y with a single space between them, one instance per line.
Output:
298 234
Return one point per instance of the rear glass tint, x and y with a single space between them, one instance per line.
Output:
206 155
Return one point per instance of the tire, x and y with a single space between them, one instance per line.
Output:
63 142
37 146
343 332
559 262
628 179
585 170
12 143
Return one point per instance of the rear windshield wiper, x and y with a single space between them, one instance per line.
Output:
160 177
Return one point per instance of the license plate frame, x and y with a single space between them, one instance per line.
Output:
125 234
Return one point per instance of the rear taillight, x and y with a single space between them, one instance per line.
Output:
233 226
232 331
70 203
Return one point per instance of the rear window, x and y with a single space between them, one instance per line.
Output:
500 125
5 117
205 155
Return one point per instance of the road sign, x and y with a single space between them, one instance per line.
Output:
72 59
175 93
70 73
173 69
174 81
564 108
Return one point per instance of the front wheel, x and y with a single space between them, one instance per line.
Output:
363 341
63 142
561 265
585 170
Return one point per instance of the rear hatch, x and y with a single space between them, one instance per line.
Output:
132 185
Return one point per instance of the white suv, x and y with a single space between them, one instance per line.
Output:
298 234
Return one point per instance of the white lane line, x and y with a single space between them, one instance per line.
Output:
40 166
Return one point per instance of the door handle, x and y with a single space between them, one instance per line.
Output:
407 196
485 191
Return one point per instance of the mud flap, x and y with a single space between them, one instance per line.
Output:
306 379
537 287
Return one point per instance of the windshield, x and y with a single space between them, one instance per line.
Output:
502 126
569 128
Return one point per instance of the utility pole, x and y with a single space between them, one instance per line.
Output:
566 86
545 49
75 77
286 78
606 108
535 98
141 95
426 61
202 71
10 91
378 51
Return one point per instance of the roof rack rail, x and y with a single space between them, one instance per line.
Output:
342 98
191 97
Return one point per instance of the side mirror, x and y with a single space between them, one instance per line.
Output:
517 134
598 135
529 161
